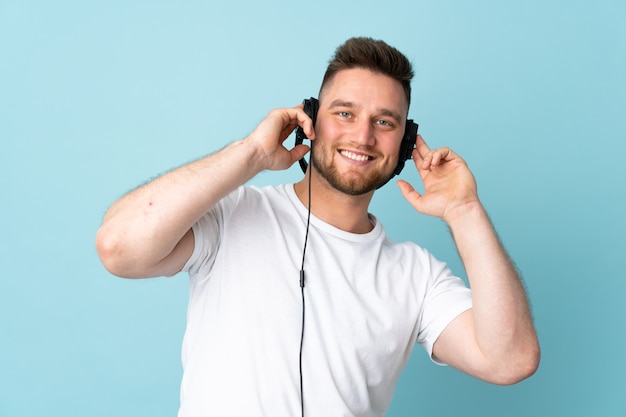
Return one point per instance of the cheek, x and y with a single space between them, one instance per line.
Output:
326 131
326 137
390 145
395 151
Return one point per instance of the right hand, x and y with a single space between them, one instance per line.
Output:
269 135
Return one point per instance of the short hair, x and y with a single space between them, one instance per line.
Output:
374 55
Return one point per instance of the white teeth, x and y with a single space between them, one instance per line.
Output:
354 156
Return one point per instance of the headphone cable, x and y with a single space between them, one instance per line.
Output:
306 238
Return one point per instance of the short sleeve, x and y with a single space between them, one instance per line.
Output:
207 232
446 298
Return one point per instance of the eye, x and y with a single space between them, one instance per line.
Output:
384 123
344 114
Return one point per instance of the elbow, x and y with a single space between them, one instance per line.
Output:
518 367
520 373
112 254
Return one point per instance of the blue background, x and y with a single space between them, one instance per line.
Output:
97 97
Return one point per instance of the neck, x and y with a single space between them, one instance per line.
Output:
343 211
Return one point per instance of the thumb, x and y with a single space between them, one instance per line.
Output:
409 193
299 151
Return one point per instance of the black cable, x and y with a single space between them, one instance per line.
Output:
306 239
301 342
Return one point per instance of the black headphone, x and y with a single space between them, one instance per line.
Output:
311 107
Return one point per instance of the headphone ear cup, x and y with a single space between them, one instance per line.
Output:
407 145
311 107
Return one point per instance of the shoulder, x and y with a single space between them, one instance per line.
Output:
244 195
255 192
255 204
406 249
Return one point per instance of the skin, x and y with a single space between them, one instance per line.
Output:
360 123
358 135
495 340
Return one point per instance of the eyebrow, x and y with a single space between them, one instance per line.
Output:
384 111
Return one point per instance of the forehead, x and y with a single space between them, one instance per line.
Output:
365 88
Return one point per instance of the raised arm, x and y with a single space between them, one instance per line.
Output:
495 340
147 232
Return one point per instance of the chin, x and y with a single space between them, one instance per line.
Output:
357 186
350 182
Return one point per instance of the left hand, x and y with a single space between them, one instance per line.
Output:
449 185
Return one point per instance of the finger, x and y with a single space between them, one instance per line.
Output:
421 146
424 161
442 155
298 152
291 118
422 165
405 187
418 159
305 121
437 157
409 193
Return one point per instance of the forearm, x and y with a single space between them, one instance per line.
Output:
502 319
144 226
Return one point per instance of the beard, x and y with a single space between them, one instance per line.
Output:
322 160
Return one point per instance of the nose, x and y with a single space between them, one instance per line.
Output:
363 133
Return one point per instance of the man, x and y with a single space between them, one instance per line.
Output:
299 303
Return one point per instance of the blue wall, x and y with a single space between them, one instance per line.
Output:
97 97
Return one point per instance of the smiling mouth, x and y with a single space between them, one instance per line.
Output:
354 156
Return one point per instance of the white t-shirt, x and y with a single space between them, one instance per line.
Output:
368 301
